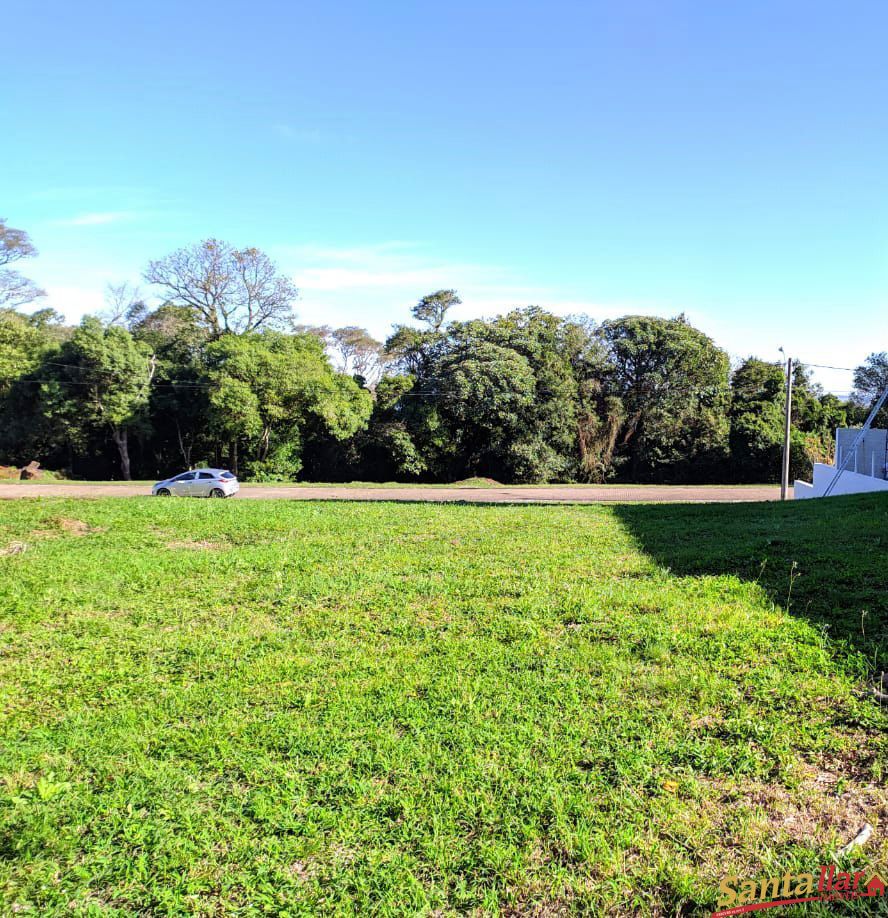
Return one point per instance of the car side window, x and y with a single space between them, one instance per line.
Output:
205 475
187 476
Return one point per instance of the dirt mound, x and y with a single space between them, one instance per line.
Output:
76 527
31 471
64 524
477 483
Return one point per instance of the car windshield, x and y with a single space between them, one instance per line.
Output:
226 475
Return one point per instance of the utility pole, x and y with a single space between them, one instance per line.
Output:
784 478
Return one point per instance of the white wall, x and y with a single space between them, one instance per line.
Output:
848 483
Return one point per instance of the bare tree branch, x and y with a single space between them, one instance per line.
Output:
124 305
359 353
15 290
15 244
232 290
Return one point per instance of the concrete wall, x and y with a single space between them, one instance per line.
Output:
848 483
870 455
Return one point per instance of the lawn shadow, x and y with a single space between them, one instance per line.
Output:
825 560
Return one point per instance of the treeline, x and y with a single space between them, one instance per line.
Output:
220 374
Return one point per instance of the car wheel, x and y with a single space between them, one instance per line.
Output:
163 492
217 492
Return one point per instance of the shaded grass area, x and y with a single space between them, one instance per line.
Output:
234 708
824 560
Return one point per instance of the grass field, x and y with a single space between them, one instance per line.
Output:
226 708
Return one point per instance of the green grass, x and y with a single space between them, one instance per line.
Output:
243 708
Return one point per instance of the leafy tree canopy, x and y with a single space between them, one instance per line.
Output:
267 390
433 308
672 382
870 380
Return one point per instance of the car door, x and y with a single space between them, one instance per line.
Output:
181 485
205 482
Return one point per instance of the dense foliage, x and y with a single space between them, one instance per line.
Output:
219 373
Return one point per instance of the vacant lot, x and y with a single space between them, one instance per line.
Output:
222 708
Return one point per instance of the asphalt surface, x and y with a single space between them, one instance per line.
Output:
588 494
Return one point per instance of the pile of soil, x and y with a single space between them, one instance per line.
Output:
29 472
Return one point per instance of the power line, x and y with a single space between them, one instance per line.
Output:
824 366
76 382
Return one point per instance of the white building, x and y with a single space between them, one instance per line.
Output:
867 468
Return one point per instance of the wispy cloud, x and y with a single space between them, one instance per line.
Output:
375 285
396 265
81 193
95 219
76 302
303 135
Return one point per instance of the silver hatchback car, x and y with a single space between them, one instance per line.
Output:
199 483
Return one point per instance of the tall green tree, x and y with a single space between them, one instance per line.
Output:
387 449
757 417
485 395
268 391
757 422
433 308
24 341
412 350
106 377
870 381
509 397
672 383
28 427
179 406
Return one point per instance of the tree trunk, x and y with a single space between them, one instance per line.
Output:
120 438
232 456
183 449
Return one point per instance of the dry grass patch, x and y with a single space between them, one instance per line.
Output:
196 545
63 524
825 811
75 527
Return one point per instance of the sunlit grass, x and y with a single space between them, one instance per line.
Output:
235 707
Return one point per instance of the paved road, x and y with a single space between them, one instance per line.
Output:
536 494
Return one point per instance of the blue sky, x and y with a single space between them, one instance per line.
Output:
728 160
